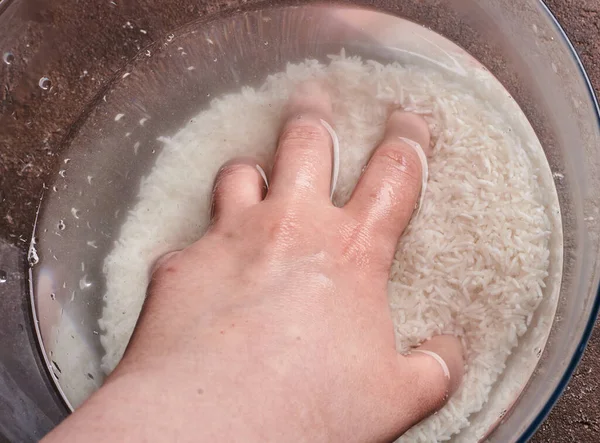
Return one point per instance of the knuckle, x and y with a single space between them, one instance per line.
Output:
400 159
301 133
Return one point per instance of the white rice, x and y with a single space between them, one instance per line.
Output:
473 263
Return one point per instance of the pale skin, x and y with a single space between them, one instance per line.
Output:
275 325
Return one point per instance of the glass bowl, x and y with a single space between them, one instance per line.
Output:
63 71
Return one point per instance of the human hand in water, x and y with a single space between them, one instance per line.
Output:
275 325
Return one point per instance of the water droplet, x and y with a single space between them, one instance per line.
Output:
32 256
84 283
3 276
127 74
75 212
266 43
214 59
62 173
119 117
53 296
45 83
61 225
8 58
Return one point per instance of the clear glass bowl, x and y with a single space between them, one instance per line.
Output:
62 68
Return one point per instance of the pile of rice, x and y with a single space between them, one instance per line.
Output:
473 263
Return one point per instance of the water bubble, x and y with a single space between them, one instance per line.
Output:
84 283
61 225
53 296
62 173
3 276
214 59
8 58
75 212
45 83
32 256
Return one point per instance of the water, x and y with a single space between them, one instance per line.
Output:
154 96
8 58
45 83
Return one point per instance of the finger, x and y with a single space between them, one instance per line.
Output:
239 185
437 368
303 162
385 197
162 260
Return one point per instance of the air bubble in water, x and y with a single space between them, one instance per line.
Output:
84 283
32 256
3 276
45 83
61 225
8 58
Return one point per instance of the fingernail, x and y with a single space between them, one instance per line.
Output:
261 171
439 359
335 156
424 169
411 126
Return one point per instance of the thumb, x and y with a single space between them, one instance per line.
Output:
437 368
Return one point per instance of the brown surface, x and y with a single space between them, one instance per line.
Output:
576 416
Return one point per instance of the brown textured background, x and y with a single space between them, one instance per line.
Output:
576 416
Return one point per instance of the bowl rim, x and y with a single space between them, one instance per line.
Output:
589 327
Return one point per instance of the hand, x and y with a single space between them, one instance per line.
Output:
275 325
